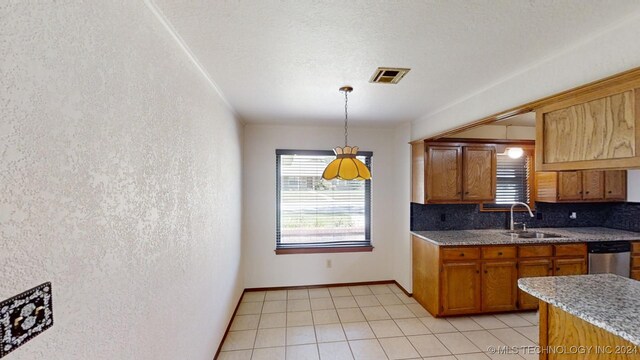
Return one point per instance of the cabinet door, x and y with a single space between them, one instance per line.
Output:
479 175
575 266
499 288
593 185
444 173
615 185
460 288
532 268
417 172
569 185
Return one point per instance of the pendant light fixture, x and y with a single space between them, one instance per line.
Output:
346 166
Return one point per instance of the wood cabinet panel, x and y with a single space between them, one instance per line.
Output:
463 253
479 173
569 185
444 173
635 262
601 128
499 285
592 185
417 172
615 183
461 288
635 274
564 267
498 252
528 251
532 268
635 247
571 249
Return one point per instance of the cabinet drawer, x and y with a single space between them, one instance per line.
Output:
635 262
535 251
635 274
499 252
461 253
571 250
635 248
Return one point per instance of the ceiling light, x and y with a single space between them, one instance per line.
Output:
515 152
346 166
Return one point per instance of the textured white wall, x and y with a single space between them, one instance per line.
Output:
402 214
120 182
262 267
611 51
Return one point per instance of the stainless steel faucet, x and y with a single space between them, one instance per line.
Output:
523 224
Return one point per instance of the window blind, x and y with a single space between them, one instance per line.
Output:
313 212
512 181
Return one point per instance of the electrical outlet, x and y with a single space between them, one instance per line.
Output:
329 264
24 317
573 215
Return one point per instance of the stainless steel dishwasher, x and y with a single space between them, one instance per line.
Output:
613 257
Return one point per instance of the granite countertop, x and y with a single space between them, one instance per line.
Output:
501 236
608 301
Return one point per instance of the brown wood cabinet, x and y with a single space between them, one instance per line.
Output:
483 279
635 260
596 130
444 174
581 186
479 173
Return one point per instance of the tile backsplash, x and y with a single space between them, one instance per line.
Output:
624 216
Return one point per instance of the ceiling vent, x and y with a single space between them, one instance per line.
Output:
388 75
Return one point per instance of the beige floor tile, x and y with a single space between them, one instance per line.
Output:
335 351
531 316
464 323
277 306
505 356
299 335
457 343
380 289
437 326
274 353
236 355
513 320
298 305
398 348
360 290
270 338
253 296
342 302
322 304
406 299
531 332
319 293
388 299
367 350
329 333
339 291
476 356
321 317
249 308
489 322
274 320
366 300
447 357
297 294
385 328
245 322
303 352
350 315
483 339
239 340
276 295
412 326
399 311
428 345
358 331
375 313
511 337
299 318
418 310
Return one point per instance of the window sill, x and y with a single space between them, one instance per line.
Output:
320 250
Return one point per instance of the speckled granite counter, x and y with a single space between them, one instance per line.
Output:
501 236
610 302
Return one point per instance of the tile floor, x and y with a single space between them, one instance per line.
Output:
366 322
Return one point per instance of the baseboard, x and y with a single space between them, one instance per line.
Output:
381 282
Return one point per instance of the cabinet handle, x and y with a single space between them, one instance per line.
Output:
458 193
609 191
557 269
587 192
477 271
500 253
466 192
486 272
461 254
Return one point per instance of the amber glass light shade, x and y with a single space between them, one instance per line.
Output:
346 166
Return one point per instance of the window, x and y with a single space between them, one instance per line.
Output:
313 213
512 182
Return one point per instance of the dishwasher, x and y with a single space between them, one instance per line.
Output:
613 257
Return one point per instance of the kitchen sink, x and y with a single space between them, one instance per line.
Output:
532 235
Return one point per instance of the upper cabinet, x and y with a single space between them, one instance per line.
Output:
453 173
599 130
581 186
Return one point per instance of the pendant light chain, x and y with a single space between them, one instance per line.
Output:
346 117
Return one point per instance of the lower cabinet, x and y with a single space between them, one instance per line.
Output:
635 260
565 267
499 285
460 288
532 268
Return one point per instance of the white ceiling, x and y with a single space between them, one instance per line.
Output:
283 61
